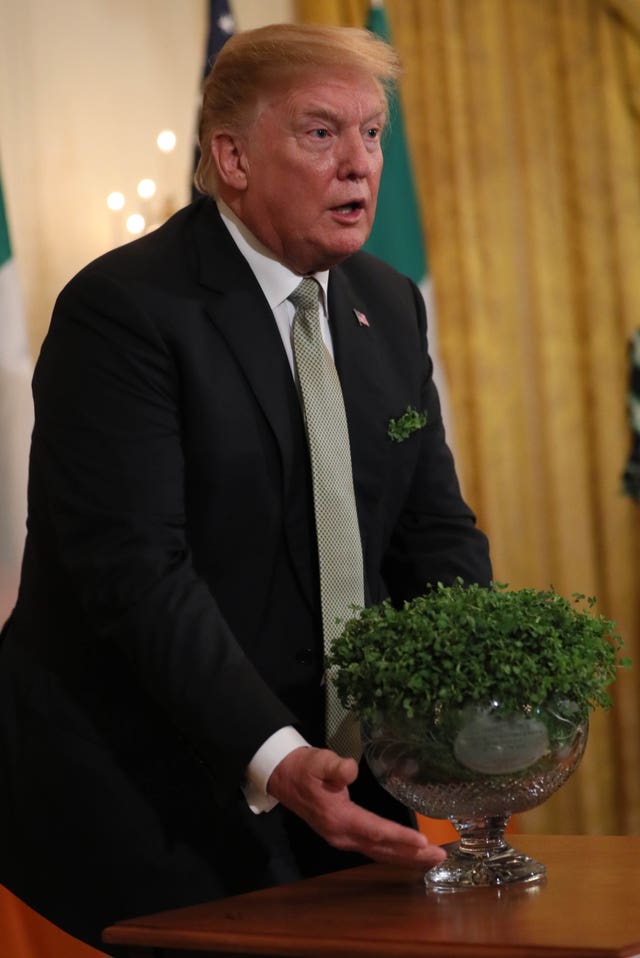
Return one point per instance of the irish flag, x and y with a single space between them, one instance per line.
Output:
23 933
397 236
16 420
397 239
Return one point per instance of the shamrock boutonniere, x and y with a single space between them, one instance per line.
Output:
410 421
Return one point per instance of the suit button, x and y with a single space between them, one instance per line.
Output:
304 656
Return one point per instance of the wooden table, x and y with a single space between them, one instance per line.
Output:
589 907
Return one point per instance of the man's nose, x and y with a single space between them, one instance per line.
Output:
357 160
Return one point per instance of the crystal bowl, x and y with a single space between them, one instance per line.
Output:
476 766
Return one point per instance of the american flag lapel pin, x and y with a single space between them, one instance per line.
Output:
362 319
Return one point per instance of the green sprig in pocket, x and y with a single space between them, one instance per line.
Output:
409 422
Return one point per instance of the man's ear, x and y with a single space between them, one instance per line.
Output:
230 159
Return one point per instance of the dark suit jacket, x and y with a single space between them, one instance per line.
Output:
168 619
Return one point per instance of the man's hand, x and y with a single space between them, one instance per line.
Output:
314 782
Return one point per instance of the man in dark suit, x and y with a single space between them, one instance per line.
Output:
161 678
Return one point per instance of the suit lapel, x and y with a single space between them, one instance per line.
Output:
357 348
237 307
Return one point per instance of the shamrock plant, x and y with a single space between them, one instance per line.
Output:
460 644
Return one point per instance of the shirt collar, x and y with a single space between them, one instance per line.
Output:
276 280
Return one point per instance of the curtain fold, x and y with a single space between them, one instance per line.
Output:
523 118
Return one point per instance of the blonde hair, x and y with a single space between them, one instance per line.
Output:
255 62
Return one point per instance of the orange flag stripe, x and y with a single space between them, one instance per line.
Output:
26 934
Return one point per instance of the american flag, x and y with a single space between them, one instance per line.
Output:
221 27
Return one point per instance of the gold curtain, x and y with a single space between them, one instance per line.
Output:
523 118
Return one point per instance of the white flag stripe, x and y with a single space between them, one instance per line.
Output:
439 377
16 423
14 350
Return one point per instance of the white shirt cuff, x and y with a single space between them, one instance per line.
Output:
262 764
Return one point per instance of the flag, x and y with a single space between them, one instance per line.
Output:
221 27
397 239
23 933
16 421
26 934
397 236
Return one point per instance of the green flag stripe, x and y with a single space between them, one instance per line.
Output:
5 245
396 236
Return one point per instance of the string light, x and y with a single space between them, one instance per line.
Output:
146 189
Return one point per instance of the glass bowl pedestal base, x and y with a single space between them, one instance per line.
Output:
483 857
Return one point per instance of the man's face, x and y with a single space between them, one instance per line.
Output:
312 162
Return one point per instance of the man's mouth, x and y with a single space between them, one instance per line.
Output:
349 207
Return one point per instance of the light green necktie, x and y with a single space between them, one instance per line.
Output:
338 534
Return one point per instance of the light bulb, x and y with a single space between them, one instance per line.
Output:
115 201
146 189
135 223
166 141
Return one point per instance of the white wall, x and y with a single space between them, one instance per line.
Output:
85 86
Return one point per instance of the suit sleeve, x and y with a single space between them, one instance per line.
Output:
107 453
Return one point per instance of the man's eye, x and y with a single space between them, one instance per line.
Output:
320 134
373 133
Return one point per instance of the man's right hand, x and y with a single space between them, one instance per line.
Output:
314 784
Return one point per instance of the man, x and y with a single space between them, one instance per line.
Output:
161 678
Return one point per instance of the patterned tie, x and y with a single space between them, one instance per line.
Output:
339 546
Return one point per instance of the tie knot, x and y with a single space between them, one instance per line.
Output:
305 295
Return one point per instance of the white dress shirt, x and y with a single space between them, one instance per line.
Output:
277 283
